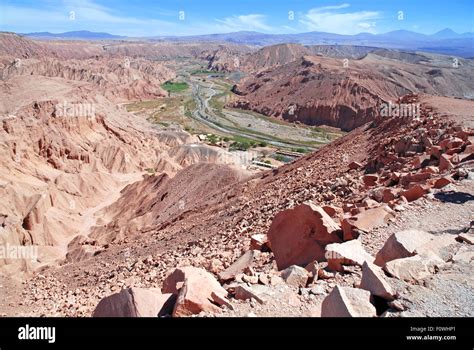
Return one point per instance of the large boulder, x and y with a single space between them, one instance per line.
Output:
374 280
439 245
194 288
298 236
347 253
413 268
401 245
347 302
136 302
366 221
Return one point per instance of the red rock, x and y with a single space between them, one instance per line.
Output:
454 143
418 177
441 182
374 280
259 242
453 151
444 144
469 149
347 302
356 210
389 194
413 268
427 142
136 302
365 221
220 300
299 236
347 207
463 135
421 161
196 297
332 211
370 180
414 192
370 203
437 246
401 245
347 253
295 276
355 165
243 292
445 162
313 270
403 144
242 263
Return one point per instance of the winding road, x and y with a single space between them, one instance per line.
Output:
205 115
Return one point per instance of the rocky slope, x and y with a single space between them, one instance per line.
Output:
365 187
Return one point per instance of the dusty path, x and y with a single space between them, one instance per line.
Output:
450 292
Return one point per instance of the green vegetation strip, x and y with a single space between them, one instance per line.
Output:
174 86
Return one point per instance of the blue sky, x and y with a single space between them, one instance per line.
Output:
149 18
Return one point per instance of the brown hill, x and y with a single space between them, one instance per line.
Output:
317 90
17 46
267 57
160 200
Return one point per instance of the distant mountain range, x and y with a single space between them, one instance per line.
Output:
445 41
81 35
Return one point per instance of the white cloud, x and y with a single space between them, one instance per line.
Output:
366 25
332 19
334 7
245 22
